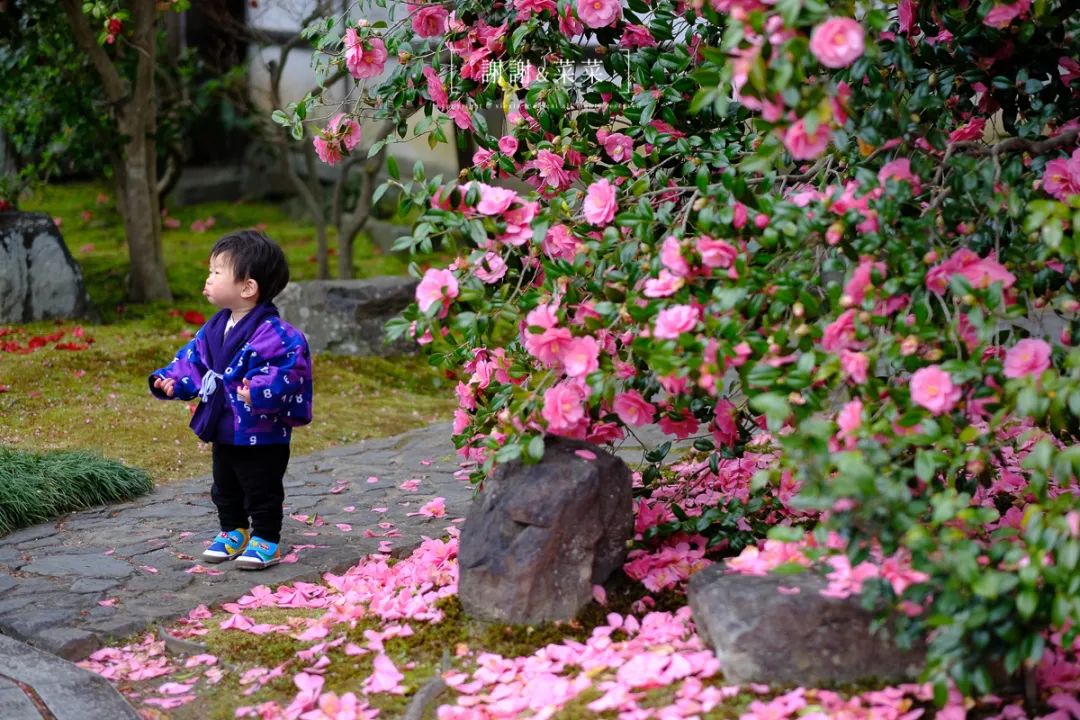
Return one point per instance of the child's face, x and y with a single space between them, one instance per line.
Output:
224 290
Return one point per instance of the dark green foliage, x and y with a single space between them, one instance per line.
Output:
37 486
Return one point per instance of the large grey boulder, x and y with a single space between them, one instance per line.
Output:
781 630
347 317
39 280
538 537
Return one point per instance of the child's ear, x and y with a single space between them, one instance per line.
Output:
250 290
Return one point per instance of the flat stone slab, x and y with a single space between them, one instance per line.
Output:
67 691
14 704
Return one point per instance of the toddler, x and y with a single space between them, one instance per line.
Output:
252 374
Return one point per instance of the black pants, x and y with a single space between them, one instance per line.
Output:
248 484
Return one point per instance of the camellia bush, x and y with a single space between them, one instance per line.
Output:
842 237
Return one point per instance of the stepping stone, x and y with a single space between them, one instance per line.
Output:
14 704
67 691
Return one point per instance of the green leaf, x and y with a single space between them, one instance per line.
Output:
1026 603
536 447
774 406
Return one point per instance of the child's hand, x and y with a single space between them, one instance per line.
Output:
165 385
244 391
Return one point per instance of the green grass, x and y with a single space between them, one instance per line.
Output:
98 398
37 486
97 243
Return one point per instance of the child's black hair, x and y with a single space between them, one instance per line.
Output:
253 255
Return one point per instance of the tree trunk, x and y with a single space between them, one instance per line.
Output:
133 109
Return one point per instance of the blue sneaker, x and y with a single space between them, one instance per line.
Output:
260 554
226 546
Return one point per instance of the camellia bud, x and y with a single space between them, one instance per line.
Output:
934 354
930 257
403 57
968 299
909 345
846 301
798 310
699 204
802 331
796 398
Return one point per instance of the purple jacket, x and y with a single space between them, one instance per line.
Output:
277 363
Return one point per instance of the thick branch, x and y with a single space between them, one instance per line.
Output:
111 81
1035 147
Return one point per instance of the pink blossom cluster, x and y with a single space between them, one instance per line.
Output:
979 272
623 659
682 261
341 135
478 44
365 57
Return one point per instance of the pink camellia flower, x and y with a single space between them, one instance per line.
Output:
494 200
436 89
1001 16
569 25
855 365
599 13
900 171
551 168
716 253
862 279
491 268
663 286
933 388
618 146
600 203
563 408
1061 179
972 130
636 36
528 8
801 144
560 244
341 135
364 57
840 333
673 321
430 21
837 42
682 426
461 116
508 144
906 15
725 426
581 356
672 258
848 420
633 409
1027 357
437 286
980 272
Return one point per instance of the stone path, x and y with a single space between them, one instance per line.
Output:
141 558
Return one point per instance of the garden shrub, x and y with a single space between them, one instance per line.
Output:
845 234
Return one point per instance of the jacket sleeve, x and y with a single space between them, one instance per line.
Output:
282 384
187 369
